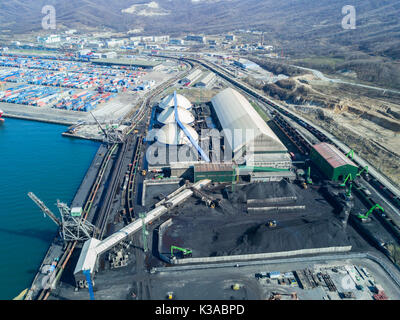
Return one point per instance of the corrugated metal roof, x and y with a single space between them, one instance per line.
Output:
211 167
235 112
333 155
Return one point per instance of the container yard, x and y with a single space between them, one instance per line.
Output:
68 84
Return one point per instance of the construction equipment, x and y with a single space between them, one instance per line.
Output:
144 172
351 154
236 287
366 216
73 227
185 252
349 176
111 135
308 178
210 202
363 169
272 224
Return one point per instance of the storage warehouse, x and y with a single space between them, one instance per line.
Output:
247 134
333 163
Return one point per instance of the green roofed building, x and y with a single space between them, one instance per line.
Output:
333 163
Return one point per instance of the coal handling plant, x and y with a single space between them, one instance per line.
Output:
203 201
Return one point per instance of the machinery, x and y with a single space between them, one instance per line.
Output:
308 178
362 170
350 154
272 224
72 226
184 252
144 172
365 217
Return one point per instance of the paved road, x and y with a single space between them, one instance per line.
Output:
321 76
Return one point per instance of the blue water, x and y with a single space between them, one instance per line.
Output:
34 157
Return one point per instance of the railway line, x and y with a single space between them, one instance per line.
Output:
377 182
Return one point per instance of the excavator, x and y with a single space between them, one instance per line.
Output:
185 252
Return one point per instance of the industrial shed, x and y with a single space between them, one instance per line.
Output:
168 102
214 172
333 163
254 141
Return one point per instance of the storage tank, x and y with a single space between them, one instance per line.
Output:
168 116
168 102
172 134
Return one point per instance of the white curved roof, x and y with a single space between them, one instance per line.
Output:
172 134
168 101
168 116
236 113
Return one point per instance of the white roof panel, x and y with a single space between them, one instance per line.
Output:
236 113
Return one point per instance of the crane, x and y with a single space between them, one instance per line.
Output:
73 227
45 210
363 169
365 216
351 154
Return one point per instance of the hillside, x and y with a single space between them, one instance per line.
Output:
302 25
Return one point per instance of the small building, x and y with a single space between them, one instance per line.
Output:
207 81
274 274
196 38
192 77
214 172
87 261
333 163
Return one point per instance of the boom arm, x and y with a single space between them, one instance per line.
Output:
45 210
185 251
376 206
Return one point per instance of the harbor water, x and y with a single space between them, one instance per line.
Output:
34 157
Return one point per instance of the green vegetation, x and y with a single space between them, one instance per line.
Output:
321 61
260 111
34 52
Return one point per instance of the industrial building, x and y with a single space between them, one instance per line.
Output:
168 102
172 134
143 64
247 134
206 81
191 78
333 163
168 116
246 143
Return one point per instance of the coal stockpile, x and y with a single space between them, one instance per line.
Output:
232 230
268 190
209 237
